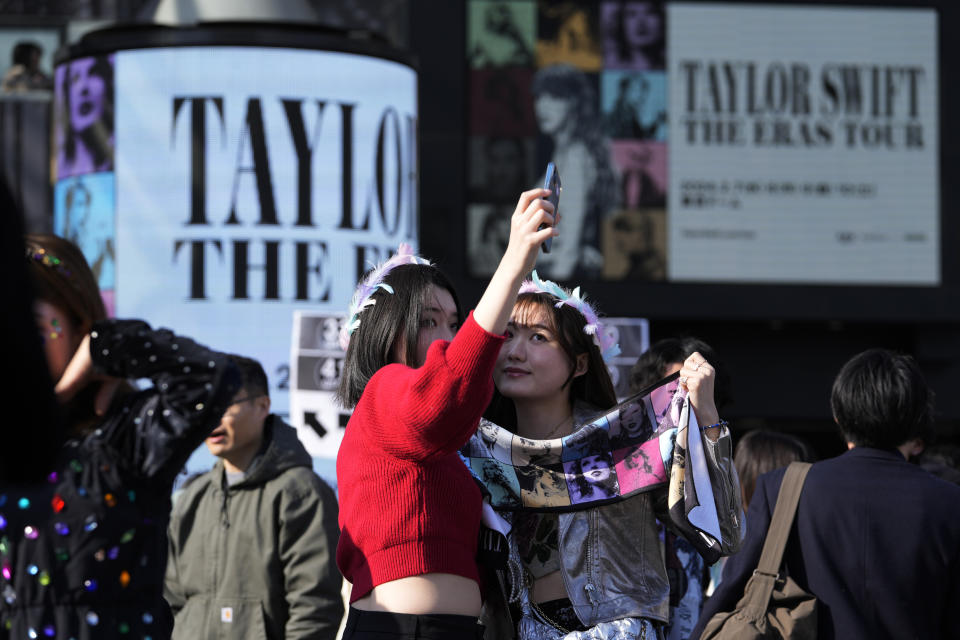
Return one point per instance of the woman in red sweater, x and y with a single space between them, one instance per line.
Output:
409 509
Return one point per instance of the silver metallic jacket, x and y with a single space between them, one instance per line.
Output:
612 557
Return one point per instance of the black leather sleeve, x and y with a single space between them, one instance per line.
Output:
154 431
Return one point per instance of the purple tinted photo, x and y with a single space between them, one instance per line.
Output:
633 35
84 95
591 478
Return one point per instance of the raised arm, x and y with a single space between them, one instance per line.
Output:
493 310
432 410
154 430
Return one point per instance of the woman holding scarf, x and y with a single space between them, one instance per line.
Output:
587 572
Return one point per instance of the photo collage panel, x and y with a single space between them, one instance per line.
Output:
582 85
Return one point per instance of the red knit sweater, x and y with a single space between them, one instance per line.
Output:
408 504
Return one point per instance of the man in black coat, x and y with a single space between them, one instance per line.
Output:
876 539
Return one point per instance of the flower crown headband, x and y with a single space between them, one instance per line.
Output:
604 341
363 296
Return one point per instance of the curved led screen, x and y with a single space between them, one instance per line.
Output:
216 189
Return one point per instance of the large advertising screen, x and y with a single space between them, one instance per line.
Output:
218 189
805 149
709 143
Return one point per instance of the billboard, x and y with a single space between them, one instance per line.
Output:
805 149
709 143
232 185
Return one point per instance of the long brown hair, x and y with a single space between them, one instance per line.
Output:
760 452
60 275
593 387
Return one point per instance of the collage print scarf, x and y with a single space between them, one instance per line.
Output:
648 442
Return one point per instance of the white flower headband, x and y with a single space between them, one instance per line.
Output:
363 296
604 341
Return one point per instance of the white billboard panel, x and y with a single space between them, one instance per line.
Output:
251 182
803 145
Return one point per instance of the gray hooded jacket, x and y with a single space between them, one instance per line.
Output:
256 559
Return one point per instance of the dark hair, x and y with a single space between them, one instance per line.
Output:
68 284
23 52
652 364
394 320
34 421
881 400
654 52
943 461
593 387
568 83
96 136
252 374
759 452
571 84
60 275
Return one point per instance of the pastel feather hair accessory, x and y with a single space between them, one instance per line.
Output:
363 296
594 327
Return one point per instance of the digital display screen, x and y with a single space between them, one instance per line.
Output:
218 189
804 150
709 143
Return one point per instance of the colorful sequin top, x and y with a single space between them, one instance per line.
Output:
83 555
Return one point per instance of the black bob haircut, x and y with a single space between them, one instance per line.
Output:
652 365
254 378
393 320
880 400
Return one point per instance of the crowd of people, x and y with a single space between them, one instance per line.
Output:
563 538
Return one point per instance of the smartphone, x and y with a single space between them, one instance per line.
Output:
551 182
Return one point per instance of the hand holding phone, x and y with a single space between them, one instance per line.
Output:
552 182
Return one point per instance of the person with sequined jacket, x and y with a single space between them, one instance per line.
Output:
83 553
598 572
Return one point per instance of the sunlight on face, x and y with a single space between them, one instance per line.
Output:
439 321
552 112
531 364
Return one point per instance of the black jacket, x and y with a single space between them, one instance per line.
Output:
83 554
876 539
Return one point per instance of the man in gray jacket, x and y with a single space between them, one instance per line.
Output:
252 541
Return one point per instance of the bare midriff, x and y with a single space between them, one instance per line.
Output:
549 587
430 593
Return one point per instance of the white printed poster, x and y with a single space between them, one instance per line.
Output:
803 145
251 182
